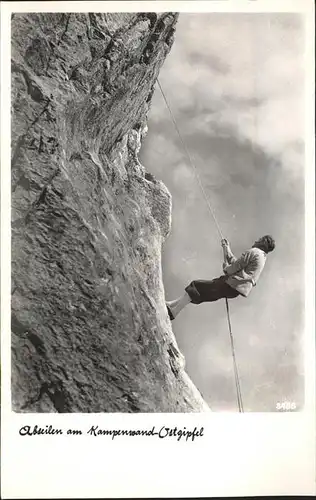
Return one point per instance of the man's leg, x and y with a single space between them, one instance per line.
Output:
199 291
175 306
210 290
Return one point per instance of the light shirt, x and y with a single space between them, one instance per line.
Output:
249 265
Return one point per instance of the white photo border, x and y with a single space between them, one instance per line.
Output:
238 455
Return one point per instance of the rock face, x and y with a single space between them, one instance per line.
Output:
90 331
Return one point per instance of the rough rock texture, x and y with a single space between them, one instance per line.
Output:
90 331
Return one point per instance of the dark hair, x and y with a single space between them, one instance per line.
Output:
267 243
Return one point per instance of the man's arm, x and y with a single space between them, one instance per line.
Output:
248 262
239 265
235 266
229 257
241 281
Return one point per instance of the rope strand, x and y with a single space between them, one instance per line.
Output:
238 390
191 162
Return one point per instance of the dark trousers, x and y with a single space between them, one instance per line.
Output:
210 290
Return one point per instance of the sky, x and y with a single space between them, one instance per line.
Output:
235 83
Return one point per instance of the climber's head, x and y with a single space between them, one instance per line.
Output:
265 243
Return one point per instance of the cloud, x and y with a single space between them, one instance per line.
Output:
242 71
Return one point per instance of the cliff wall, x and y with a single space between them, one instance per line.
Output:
90 332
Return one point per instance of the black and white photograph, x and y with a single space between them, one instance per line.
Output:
157 212
158 245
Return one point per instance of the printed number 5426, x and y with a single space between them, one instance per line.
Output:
286 405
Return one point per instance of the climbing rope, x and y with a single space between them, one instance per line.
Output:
191 163
238 389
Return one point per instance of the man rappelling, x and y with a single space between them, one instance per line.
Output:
240 276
